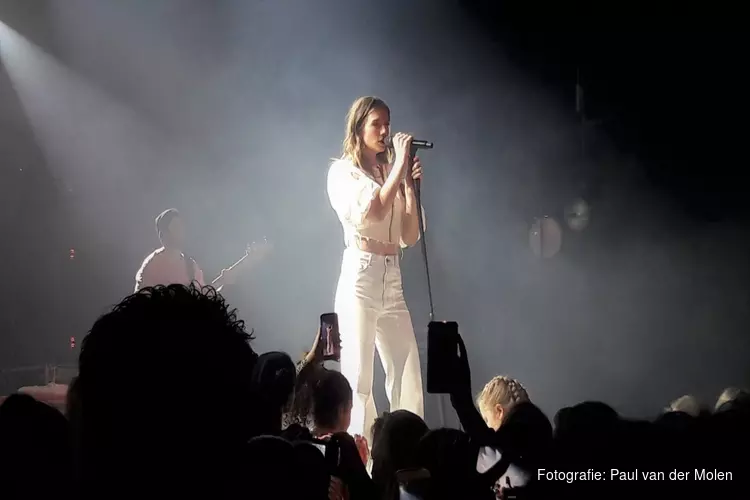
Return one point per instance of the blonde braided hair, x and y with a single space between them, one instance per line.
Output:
503 391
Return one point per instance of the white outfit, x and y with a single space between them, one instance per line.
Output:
370 301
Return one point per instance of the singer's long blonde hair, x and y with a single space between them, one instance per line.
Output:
355 121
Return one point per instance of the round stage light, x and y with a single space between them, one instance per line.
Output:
545 237
578 214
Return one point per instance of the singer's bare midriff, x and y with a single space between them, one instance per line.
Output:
377 247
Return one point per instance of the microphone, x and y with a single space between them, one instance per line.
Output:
415 143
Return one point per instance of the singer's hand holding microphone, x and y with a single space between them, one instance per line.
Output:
402 148
401 143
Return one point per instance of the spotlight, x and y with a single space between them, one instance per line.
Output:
577 214
545 237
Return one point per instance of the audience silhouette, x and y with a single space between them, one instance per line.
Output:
172 400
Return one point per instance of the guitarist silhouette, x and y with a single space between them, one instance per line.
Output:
170 265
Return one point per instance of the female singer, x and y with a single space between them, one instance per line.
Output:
373 195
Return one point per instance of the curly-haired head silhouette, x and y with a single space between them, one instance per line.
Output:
164 378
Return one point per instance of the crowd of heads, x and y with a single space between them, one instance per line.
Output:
171 399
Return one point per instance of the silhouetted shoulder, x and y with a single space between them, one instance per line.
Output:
153 255
140 277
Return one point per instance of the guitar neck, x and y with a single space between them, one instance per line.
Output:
248 253
239 261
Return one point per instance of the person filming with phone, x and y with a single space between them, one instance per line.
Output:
322 400
512 434
321 414
372 190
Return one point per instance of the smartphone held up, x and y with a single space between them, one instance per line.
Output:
444 357
330 337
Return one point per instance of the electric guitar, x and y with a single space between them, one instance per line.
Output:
254 253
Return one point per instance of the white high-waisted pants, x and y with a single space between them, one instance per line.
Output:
373 314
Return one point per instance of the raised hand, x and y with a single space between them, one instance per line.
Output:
315 354
362 448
